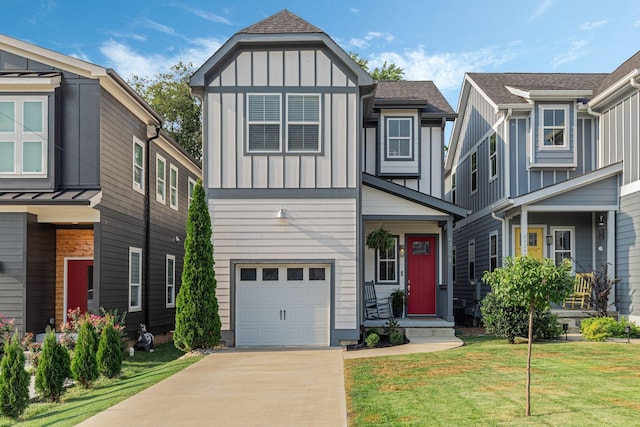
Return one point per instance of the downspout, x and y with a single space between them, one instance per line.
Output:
598 116
147 220
634 83
507 181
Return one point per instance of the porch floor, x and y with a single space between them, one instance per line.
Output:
411 322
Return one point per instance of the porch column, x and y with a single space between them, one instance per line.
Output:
611 253
524 232
450 271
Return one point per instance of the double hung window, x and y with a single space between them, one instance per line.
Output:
23 136
303 123
553 126
399 138
264 123
135 279
388 264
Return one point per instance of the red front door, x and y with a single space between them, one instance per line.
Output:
421 275
79 283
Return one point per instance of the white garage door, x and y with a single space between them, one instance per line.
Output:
283 305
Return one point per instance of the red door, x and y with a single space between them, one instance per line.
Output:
421 275
79 283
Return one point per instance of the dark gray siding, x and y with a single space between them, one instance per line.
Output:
41 274
628 256
13 248
478 230
78 147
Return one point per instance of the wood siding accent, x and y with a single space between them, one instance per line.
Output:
69 243
313 229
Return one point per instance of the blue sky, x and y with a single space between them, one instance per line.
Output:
432 40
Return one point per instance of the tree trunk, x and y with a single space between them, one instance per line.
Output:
532 308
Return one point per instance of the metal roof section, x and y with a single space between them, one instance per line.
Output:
414 196
63 197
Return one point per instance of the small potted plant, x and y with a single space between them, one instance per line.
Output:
380 239
397 302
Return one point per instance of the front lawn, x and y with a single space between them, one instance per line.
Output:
78 404
483 384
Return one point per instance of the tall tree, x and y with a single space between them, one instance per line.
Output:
388 71
54 367
197 319
169 94
528 282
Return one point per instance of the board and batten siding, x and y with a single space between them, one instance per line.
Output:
431 160
620 130
628 257
283 72
247 229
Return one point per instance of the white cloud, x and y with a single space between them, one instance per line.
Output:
587 26
159 27
636 23
354 10
542 8
364 42
445 69
128 62
212 17
576 50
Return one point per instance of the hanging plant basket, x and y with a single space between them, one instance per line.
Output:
380 239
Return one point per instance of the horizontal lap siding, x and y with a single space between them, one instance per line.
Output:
312 229
13 268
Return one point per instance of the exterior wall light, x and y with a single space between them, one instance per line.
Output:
281 213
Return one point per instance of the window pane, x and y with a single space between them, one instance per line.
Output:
269 274
303 137
161 173
33 116
548 117
134 261
316 273
137 154
493 246
133 297
294 273
7 116
32 156
264 137
563 240
264 108
247 274
558 117
7 156
174 178
170 271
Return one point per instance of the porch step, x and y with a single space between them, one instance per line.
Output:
413 333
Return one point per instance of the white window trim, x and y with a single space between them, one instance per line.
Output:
386 260
471 250
410 138
138 307
565 135
492 256
174 206
279 122
472 172
168 285
288 122
570 229
493 172
139 187
18 137
162 198
191 184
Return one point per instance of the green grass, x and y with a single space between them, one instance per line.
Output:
78 404
483 384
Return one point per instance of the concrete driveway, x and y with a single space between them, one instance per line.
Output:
242 387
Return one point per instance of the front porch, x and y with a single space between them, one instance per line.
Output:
414 327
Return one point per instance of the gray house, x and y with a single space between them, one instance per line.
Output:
545 159
93 196
304 154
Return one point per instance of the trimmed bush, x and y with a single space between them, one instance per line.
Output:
601 328
510 322
109 355
373 340
84 364
14 380
197 319
54 367
396 337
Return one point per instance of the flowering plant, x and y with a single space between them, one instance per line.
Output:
6 327
75 318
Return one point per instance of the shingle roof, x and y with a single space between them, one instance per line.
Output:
413 91
626 68
282 22
494 84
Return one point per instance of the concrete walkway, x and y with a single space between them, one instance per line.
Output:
255 387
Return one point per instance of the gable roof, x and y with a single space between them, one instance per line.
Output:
282 22
282 27
495 85
624 70
412 92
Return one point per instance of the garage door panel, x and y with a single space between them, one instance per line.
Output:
292 310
